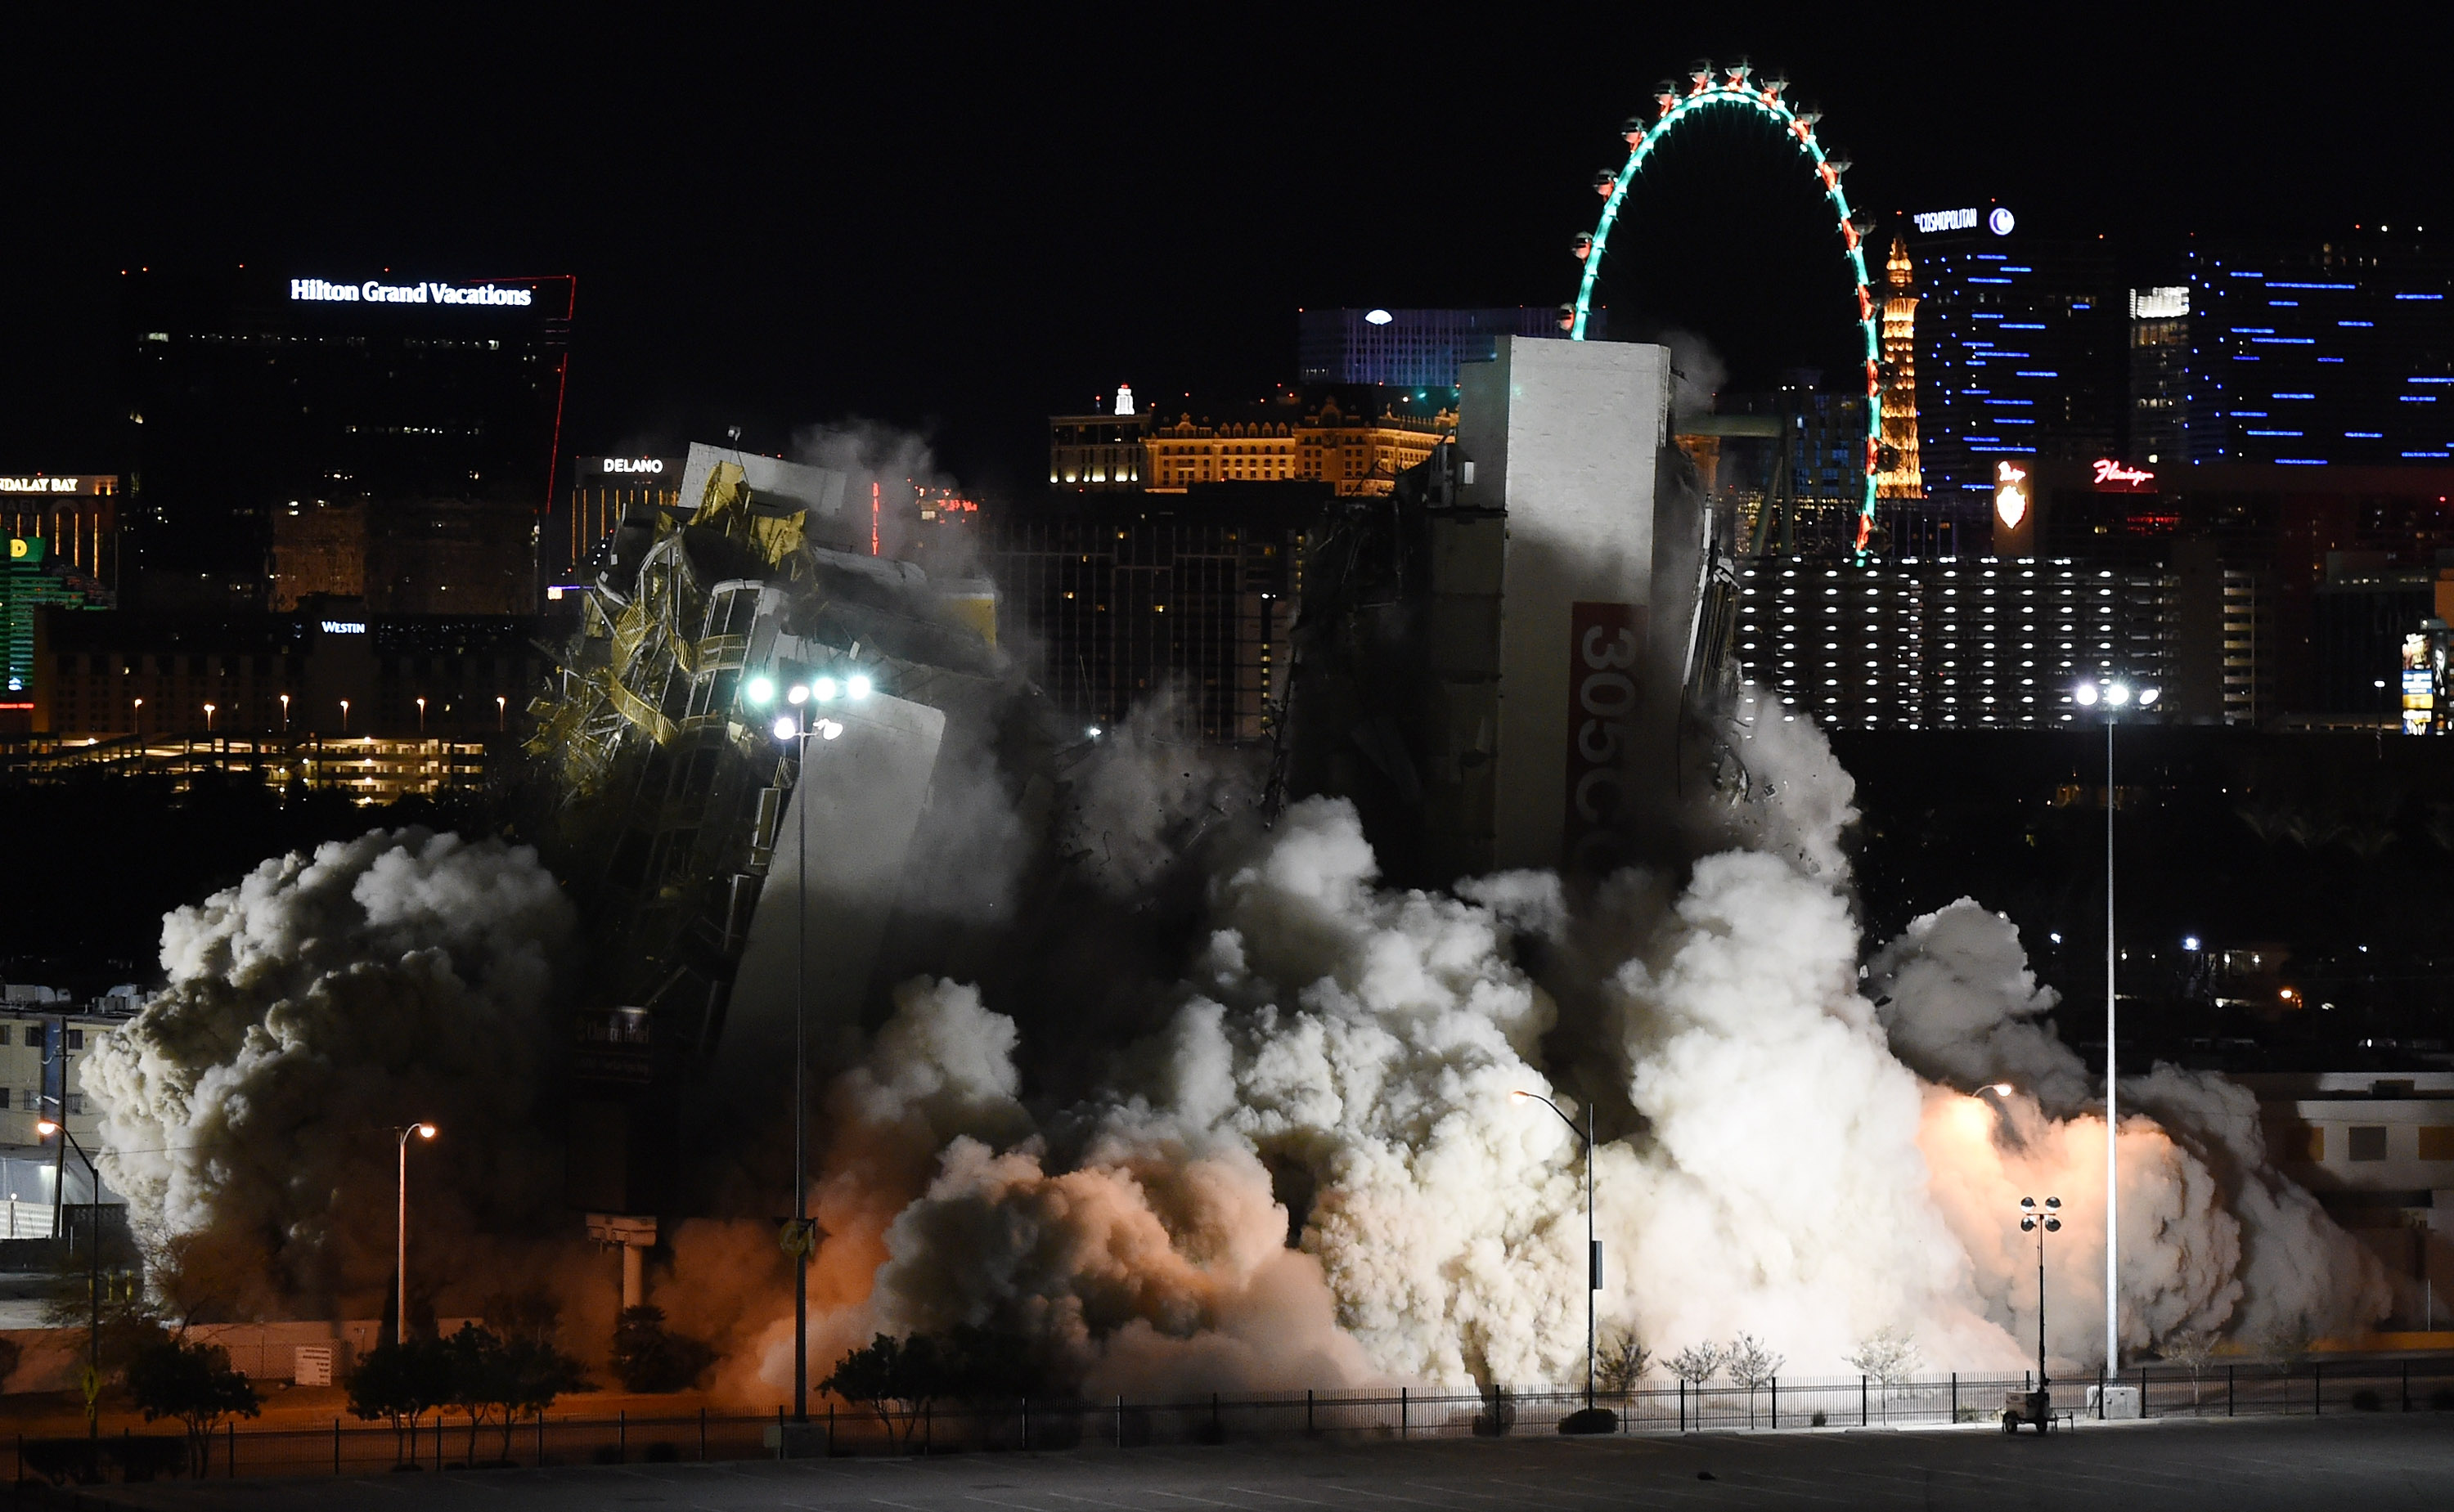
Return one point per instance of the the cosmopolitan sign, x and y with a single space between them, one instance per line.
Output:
375 291
1999 220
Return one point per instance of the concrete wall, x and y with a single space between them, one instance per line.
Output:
1565 436
860 803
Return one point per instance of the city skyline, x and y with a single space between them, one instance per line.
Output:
934 237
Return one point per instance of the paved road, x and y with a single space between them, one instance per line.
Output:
2367 1462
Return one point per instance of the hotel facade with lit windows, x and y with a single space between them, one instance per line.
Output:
1967 643
2335 354
1356 440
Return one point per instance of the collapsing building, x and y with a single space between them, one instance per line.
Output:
747 691
1498 663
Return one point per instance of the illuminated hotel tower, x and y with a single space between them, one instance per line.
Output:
1899 478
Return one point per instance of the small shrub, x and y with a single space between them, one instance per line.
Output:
606 1454
661 1452
147 1457
60 1461
1819 1419
2364 1401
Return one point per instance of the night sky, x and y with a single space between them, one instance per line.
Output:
958 224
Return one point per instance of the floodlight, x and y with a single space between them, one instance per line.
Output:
786 728
2084 695
2147 696
761 690
45 1128
857 685
798 695
2116 694
2189 942
829 730
825 689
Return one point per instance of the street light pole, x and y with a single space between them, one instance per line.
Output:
2047 1220
400 1238
2112 1118
1593 1246
798 728
94 1286
2115 695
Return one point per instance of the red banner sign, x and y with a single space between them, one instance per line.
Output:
1605 645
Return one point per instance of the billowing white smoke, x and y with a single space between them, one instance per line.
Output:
1791 1161
2214 1239
312 1009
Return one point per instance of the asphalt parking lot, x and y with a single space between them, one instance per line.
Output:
2370 1462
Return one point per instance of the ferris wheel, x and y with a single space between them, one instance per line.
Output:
1726 91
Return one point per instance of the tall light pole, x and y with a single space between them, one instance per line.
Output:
2043 1220
2113 695
1593 1246
400 1238
798 1240
45 1128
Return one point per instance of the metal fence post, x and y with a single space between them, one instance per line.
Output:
1307 1409
1121 1420
1775 1401
2228 1380
2406 1385
2142 1393
929 1427
1215 1430
831 1430
621 1436
1862 1401
1402 1406
336 1446
1026 1423
2317 1388
1682 1403
230 1438
540 1437
1954 1396
702 1433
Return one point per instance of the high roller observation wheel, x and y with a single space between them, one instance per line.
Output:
1736 90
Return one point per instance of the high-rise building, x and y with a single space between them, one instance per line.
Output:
31 580
599 490
1973 642
1354 439
430 404
2159 375
2021 352
2339 353
1804 495
1413 348
1124 597
76 515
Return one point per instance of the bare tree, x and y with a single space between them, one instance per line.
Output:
1697 1363
1890 1356
2192 1348
1624 1360
1750 1366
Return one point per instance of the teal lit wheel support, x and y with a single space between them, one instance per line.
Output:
1735 90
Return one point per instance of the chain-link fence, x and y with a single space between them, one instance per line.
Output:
451 1442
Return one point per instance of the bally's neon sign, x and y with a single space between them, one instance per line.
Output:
375 291
2010 494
